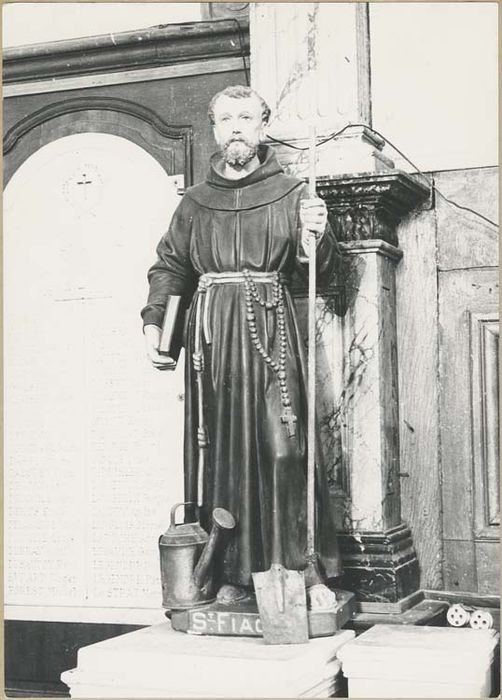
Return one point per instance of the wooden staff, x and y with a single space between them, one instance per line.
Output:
311 441
311 360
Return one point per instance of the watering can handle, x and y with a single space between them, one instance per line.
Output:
177 505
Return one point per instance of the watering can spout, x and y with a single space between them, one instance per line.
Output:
223 521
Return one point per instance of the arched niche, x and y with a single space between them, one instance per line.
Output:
170 145
93 434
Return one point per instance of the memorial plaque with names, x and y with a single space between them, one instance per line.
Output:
93 434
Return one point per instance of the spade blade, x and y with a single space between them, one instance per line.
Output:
282 604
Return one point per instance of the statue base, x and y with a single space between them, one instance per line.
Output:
157 662
243 619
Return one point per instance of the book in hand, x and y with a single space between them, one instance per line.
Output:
171 339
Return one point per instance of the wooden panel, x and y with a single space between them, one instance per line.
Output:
417 338
491 418
171 146
176 101
468 373
464 239
487 564
485 410
460 293
460 572
474 599
161 45
213 65
36 653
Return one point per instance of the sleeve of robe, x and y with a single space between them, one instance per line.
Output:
328 254
172 274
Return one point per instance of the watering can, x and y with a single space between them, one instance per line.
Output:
186 559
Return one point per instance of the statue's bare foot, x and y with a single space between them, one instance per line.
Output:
229 594
320 597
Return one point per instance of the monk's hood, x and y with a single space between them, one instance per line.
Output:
267 184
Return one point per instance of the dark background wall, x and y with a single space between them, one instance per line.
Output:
37 652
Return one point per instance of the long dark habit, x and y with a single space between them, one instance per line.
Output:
255 468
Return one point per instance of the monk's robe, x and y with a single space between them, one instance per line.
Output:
255 467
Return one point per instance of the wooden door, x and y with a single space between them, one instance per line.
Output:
447 304
468 341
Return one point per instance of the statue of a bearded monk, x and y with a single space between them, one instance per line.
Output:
234 243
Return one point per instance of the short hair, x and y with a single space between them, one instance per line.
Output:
238 92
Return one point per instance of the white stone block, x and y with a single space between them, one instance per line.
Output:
387 688
159 662
431 662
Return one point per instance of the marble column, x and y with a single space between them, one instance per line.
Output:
357 387
287 38
379 558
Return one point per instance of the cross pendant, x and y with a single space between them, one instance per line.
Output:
289 418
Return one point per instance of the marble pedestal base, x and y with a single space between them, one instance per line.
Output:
381 566
159 662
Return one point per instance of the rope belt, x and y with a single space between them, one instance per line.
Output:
209 278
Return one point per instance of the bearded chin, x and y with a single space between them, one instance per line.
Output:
238 153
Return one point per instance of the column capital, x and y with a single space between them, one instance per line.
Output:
369 206
372 246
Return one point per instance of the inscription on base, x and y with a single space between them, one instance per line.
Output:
226 623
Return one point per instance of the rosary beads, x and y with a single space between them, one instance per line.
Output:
279 366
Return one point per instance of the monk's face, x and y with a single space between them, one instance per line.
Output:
238 128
